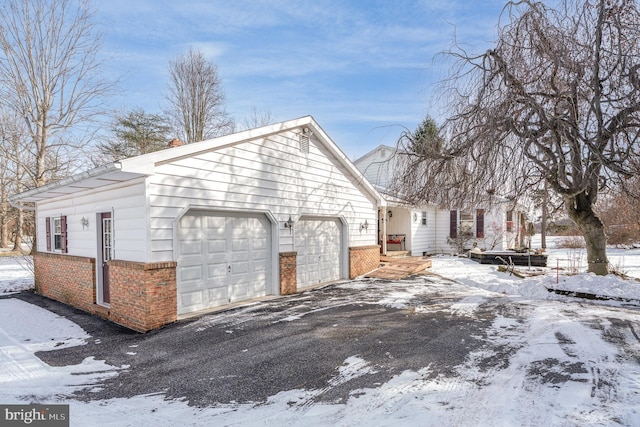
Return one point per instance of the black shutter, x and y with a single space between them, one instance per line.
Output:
63 234
48 233
480 223
453 224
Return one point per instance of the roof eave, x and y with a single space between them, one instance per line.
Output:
89 180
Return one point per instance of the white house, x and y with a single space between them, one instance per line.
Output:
150 238
428 229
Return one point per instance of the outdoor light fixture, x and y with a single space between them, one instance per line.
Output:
85 222
289 224
389 214
364 226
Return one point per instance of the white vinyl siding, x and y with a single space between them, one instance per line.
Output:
423 236
378 166
267 175
128 205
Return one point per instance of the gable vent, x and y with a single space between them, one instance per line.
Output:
303 137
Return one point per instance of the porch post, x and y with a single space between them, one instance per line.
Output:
384 230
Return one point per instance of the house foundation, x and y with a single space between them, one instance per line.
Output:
143 296
363 259
288 273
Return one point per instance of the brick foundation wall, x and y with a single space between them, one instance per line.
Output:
363 259
143 295
288 273
65 278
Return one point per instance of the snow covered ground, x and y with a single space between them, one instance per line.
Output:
558 367
15 274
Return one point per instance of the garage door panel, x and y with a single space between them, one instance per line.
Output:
192 272
216 246
257 267
240 268
318 243
217 296
259 256
216 223
191 223
239 244
235 257
191 299
191 247
258 244
216 270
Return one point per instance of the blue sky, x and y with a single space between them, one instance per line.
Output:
364 70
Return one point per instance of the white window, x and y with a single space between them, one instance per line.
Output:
56 234
466 223
424 218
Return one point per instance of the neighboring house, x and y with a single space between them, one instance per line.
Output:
427 229
148 239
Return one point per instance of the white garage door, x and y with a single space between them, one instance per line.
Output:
222 258
319 244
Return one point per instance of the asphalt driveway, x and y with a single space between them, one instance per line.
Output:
306 341
250 353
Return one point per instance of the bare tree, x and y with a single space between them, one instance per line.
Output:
557 101
257 119
14 161
4 202
196 99
49 68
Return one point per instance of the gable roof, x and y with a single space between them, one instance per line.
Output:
374 152
144 165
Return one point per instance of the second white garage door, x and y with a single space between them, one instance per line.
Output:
222 258
319 246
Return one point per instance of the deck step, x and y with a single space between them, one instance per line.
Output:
398 268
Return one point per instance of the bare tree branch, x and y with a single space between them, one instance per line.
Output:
49 69
196 99
557 100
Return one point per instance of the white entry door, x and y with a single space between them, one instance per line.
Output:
319 246
222 258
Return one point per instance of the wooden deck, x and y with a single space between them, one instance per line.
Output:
397 268
509 257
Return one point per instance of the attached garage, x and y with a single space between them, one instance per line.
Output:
265 211
222 258
319 246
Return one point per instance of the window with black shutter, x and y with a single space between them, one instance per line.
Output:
56 234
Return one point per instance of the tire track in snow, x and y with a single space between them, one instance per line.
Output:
353 367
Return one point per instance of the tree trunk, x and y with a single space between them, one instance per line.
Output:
545 213
17 245
581 212
4 215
